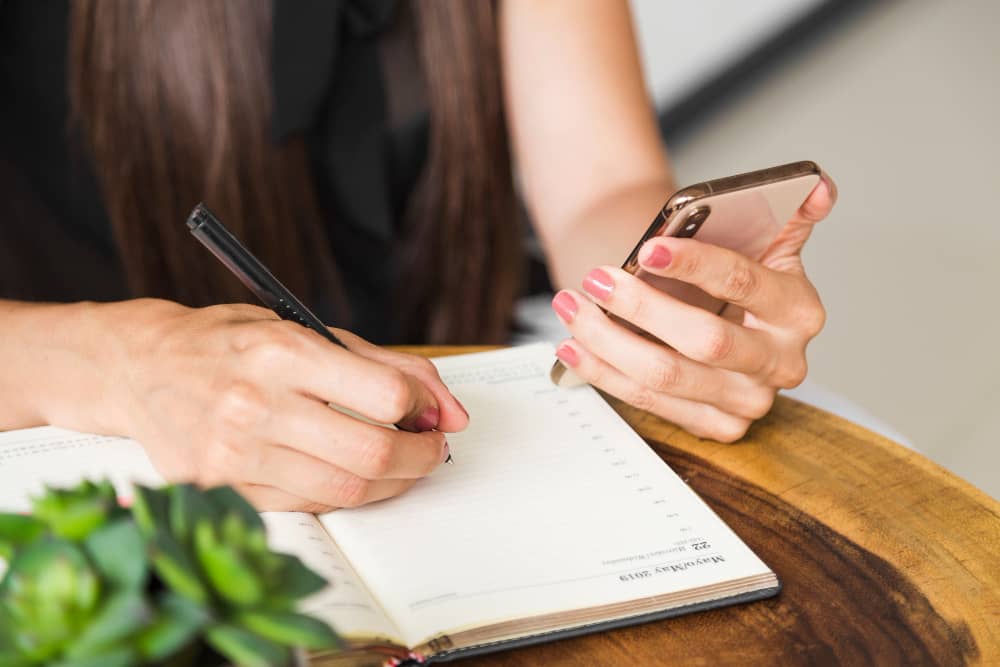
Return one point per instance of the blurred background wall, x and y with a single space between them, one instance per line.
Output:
900 102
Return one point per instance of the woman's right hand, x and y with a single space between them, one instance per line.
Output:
231 395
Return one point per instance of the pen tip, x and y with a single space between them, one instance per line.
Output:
449 459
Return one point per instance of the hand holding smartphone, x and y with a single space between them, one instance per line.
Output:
743 213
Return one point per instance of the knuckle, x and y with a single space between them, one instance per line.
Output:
592 373
394 396
717 343
241 406
644 399
729 431
759 405
274 343
664 373
376 455
270 353
424 365
351 490
740 283
688 264
289 332
636 308
586 325
793 374
239 312
812 319
438 441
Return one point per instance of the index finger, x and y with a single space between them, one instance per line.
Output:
369 451
724 274
300 359
453 416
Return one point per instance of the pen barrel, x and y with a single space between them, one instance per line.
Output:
249 270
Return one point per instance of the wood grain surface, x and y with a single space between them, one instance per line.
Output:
885 557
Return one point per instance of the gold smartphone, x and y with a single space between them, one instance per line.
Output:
743 213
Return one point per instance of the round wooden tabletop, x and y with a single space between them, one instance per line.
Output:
885 557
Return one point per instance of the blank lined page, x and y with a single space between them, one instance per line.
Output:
34 457
553 504
345 603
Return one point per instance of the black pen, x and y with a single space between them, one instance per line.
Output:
227 248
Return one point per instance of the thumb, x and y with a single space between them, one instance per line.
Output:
784 252
425 413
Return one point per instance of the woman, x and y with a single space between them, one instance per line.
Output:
372 171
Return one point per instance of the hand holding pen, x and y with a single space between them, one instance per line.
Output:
229 394
258 279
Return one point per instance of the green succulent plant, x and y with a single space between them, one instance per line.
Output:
184 576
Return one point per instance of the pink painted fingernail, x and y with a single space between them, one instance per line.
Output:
655 256
565 306
428 419
568 355
598 284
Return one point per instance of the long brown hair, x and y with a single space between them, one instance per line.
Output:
174 104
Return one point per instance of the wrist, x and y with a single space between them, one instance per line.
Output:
46 362
70 365
121 338
81 375
603 231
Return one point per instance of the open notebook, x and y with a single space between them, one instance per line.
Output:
556 519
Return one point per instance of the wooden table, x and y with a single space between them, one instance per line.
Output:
886 558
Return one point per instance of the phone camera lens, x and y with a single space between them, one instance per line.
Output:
693 222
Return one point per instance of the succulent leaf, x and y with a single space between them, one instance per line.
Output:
176 568
118 552
149 507
226 500
9 655
245 648
225 568
78 588
293 580
75 513
12 659
187 506
48 595
235 532
290 628
17 530
122 615
118 657
179 621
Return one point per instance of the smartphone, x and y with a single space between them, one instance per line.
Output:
743 213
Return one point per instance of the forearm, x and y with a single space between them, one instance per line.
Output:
588 150
56 360
603 231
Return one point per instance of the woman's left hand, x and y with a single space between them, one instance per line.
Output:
716 374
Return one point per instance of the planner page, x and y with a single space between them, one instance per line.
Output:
346 604
553 504
33 458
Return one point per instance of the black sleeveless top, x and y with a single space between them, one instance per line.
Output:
345 76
